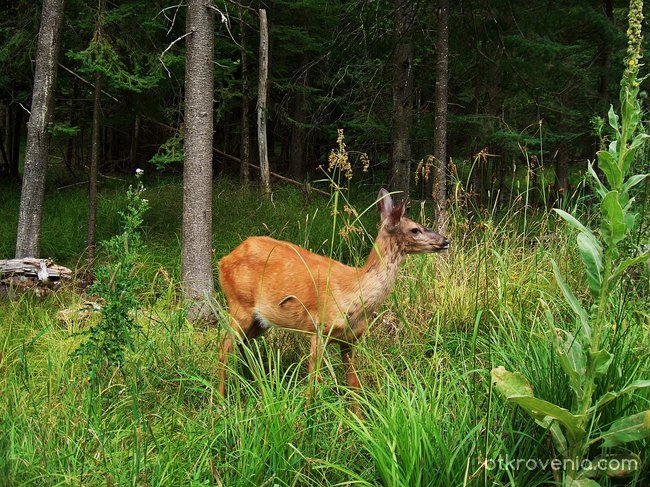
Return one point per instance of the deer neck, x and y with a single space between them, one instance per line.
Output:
380 271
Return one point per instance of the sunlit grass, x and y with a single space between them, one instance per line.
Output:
430 417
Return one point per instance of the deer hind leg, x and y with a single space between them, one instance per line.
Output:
241 323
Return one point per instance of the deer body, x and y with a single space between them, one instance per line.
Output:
268 282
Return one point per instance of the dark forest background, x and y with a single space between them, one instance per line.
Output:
527 83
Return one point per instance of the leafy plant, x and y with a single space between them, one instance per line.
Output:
582 352
117 285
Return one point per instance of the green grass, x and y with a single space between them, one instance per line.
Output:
430 415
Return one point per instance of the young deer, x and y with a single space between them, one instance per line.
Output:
269 282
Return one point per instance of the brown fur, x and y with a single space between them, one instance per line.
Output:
271 282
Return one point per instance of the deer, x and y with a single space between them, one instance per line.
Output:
272 283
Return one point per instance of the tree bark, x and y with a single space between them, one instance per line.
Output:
244 170
297 150
197 170
133 151
36 154
402 98
261 104
91 240
562 175
439 190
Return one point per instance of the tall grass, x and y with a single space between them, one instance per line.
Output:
431 417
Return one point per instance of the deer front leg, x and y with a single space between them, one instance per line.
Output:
349 361
226 347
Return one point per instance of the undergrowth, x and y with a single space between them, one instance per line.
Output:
431 416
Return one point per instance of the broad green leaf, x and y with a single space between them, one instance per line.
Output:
572 301
591 254
639 259
572 358
608 164
610 396
624 430
633 181
601 360
510 383
612 117
630 221
574 222
600 188
613 223
632 150
539 409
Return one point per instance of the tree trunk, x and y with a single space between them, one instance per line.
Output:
133 151
244 170
297 150
197 170
562 175
439 191
36 154
261 104
91 242
402 97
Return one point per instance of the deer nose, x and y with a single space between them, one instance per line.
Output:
445 242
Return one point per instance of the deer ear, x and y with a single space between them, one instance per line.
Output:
384 204
398 212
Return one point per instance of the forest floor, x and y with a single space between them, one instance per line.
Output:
431 416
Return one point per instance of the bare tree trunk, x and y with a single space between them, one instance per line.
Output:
133 152
439 191
297 149
36 154
261 104
402 97
91 240
197 170
244 171
562 175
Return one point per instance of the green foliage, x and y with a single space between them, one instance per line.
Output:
582 356
171 152
117 285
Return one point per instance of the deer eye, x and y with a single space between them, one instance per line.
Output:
415 230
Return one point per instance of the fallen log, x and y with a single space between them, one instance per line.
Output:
31 273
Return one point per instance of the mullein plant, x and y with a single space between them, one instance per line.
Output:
582 352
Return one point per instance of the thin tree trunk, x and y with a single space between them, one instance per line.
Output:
297 149
244 170
402 98
197 170
36 154
91 241
562 175
261 104
133 152
439 192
